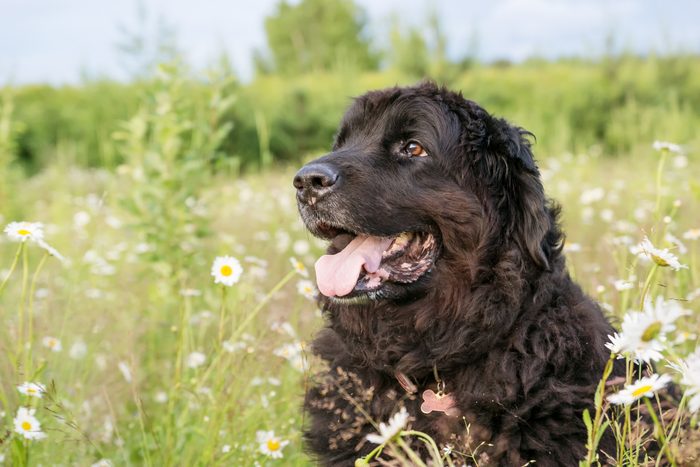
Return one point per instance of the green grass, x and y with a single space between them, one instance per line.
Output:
136 288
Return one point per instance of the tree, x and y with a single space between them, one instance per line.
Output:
317 35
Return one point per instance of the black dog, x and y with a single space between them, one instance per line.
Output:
446 275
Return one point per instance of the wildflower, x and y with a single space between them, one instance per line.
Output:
572 247
690 371
231 347
665 146
593 195
102 463
645 387
190 292
306 288
161 397
226 270
196 359
673 240
78 350
126 371
52 344
27 425
301 247
270 444
294 353
643 334
661 257
226 448
80 220
299 267
51 250
32 389
21 231
388 431
621 285
692 234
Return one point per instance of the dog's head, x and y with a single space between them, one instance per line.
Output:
420 179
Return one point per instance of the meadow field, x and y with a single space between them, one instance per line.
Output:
137 355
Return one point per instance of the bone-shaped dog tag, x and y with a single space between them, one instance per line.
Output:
439 402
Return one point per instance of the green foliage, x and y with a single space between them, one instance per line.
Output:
170 147
616 105
318 35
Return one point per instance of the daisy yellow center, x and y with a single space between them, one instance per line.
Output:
226 270
26 426
651 331
31 390
642 390
24 232
273 444
659 260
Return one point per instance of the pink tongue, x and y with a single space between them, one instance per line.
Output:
336 275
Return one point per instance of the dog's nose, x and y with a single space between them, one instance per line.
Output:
314 181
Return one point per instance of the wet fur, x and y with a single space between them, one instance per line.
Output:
519 345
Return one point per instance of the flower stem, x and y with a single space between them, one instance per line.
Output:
659 430
30 314
647 285
12 268
222 314
22 304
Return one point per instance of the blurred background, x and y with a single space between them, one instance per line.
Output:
576 73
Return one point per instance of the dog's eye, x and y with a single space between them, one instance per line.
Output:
414 149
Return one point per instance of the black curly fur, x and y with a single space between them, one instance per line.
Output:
519 345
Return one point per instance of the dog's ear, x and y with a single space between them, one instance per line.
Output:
511 141
523 203
499 157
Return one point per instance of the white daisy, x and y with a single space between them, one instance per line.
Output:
226 448
78 350
667 146
102 463
294 353
622 285
643 334
692 234
27 425
125 371
661 257
226 270
397 422
196 359
645 387
306 288
22 231
32 389
301 247
51 250
299 267
690 371
270 444
52 344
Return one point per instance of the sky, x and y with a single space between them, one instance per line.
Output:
64 41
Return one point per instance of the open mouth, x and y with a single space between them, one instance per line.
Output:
365 263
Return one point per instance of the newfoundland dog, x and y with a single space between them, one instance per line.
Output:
445 288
